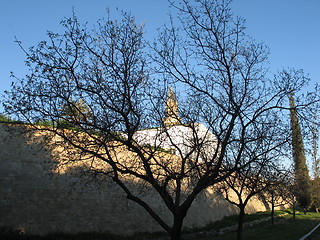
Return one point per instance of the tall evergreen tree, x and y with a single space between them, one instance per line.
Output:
302 179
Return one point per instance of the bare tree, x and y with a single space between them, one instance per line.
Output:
251 181
231 110
224 74
278 193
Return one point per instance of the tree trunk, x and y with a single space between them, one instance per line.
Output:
294 209
240 223
177 228
272 210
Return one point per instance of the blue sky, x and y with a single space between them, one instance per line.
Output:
289 27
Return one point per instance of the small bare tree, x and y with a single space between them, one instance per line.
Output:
278 193
251 181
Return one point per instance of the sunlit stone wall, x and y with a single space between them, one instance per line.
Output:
38 200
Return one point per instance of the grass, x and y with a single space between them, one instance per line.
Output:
233 220
285 228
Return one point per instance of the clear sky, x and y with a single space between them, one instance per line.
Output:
291 28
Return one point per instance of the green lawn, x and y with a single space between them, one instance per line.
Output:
285 228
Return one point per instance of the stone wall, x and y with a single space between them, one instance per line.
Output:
38 200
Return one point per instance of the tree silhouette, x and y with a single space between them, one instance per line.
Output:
231 114
279 191
254 180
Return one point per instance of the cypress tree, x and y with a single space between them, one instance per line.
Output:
302 179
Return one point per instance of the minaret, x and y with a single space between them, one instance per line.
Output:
171 113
